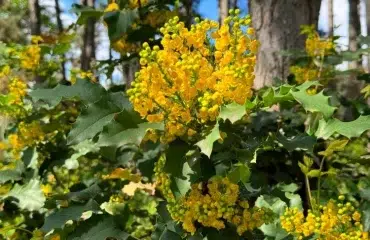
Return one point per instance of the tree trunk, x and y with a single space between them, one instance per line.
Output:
368 29
354 29
35 16
60 29
330 18
233 4
223 8
188 4
88 48
277 24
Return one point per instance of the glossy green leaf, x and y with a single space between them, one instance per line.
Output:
348 129
92 121
119 22
28 196
233 112
206 145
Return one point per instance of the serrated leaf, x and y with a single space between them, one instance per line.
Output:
276 95
303 168
29 196
85 12
241 173
59 218
334 146
298 142
85 194
98 230
233 112
313 103
13 174
348 129
128 136
83 90
206 145
119 22
183 183
92 121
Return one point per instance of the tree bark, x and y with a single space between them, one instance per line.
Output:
330 18
368 29
233 4
223 8
277 24
88 48
60 29
188 4
35 16
354 30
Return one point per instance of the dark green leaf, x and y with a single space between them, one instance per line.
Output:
298 142
119 22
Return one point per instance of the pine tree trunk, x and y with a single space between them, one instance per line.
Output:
35 16
330 18
277 24
188 4
354 30
88 48
60 29
368 29
223 8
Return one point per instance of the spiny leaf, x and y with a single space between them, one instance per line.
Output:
298 142
92 121
129 136
83 90
99 229
241 173
334 146
313 103
233 112
206 145
59 218
348 129
13 174
119 22
29 196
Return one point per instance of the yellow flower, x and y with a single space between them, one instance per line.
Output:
113 6
185 83
30 57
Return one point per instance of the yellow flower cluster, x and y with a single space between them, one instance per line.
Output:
196 72
77 73
14 106
210 205
317 48
158 18
28 135
30 57
137 3
335 220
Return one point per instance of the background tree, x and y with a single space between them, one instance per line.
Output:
223 8
233 4
88 47
277 24
60 30
35 16
330 18
367 2
354 29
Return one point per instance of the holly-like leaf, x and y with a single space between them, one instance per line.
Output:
119 22
92 121
313 103
129 136
83 90
297 142
241 173
348 129
29 196
206 145
85 13
233 112
334 146
59 218
99 228
276 95
12 174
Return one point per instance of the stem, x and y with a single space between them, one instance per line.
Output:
319 180
308 188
